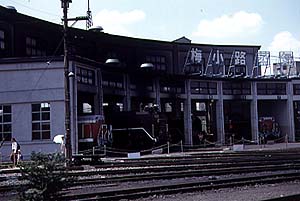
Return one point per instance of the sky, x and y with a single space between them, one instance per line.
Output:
272 24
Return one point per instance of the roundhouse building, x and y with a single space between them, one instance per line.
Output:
176 90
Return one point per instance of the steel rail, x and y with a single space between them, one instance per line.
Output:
187 173
183 187
173 167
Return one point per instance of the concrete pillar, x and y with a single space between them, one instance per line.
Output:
254 113
99 92
127 98
290 110
157 92
73 111
220 115
187 114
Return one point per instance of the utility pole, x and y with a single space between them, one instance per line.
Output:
68 74
68 152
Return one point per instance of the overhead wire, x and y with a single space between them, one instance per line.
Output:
41 11
35 9
48 62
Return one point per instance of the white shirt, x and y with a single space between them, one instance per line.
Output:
14 147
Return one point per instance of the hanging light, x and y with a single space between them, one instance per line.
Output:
147 65
112 61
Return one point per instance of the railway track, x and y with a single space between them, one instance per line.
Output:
182 187
170 172
186 174
211 167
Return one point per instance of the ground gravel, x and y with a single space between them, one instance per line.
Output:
244 193
149 183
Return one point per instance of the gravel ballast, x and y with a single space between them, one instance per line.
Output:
244 193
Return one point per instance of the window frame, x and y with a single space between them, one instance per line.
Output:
86 76
159 62
4 124
296 89
2 40
271 88
204 88
33 47
41 121
236 88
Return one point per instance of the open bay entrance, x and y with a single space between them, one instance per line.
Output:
237 120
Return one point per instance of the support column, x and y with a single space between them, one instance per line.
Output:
290 110
220 114
65 5
187 114
73 111
127 98
254 113
99 92
157 92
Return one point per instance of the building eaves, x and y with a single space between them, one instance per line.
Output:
13 16
12 60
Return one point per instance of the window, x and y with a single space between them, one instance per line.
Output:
168 107
40 121
261 88
132 86
159 62
5 122
149 87
236 88
2 41
296 88
271 88
172 87
165 89
85 76
141 84
120 106
204 88
112 81
200 106
86 108
33 48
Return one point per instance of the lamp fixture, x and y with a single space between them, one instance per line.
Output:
96 29
112 61
71 74
147 65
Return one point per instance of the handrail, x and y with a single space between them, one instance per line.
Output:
138 128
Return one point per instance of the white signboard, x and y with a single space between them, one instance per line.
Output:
286 58
240 58
217 58
264 58
135 155
238 147
195 56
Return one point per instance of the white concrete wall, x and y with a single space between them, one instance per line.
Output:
26 83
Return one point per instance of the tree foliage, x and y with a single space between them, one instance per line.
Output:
46 176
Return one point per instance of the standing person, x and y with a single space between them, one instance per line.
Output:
14 151
19 156
62 145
